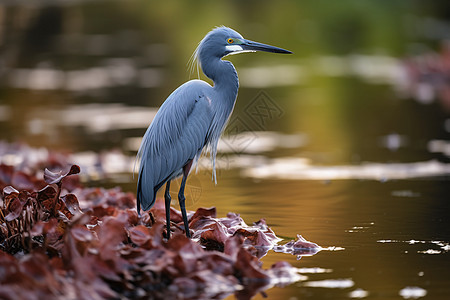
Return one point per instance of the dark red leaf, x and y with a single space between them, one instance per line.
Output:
74 169
81 234
111 234
9 190
232 246
78 242
54 230
71 202
139 235
299 247
202 217
214 236
104 210
302 243
46 193
56 177
14 208
187 253
81 219
52 177
36 267
38 229
249 267
133 218
205 212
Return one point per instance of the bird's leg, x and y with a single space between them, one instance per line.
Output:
167 199
181 198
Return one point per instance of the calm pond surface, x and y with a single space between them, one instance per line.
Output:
346 142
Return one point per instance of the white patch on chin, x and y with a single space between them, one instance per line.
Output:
234 48
237 52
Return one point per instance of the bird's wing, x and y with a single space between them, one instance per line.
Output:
176 135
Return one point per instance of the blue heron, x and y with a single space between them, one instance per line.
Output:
192 118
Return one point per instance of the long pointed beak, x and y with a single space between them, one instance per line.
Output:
248 45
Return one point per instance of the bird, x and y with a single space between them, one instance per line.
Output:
192 120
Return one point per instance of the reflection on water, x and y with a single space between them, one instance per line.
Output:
300 169
346 142
99 118
442 245
259 141
115 72
412 292
331 283
358 293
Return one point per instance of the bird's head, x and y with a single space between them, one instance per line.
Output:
222 41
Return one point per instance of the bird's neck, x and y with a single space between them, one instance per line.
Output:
225 78
223 98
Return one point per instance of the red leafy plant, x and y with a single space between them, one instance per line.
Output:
20 211
52 248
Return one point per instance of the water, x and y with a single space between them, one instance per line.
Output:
394 234
391 235
364 215
339 145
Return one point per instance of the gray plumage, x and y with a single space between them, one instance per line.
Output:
192 118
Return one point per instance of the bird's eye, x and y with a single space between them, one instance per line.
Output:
230 41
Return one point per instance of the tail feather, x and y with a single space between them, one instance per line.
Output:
146 193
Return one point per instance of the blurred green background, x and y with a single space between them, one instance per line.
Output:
342 86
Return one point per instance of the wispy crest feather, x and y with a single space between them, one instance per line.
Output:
194 62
